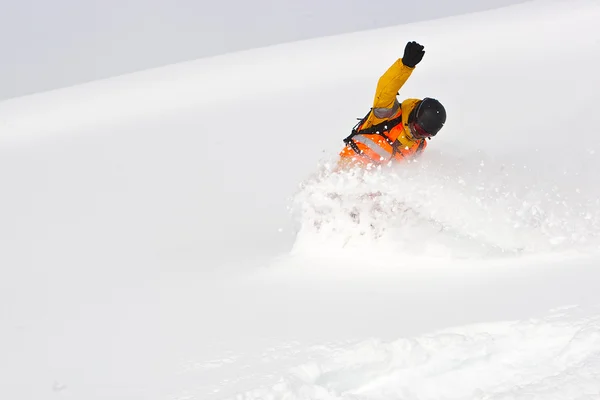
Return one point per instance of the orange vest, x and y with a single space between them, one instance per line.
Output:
377 145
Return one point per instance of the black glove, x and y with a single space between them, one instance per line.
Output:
413 54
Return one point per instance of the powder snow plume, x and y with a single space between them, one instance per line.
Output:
443 206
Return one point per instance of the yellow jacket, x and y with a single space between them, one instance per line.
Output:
385 104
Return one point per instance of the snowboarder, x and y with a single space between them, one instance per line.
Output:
392 130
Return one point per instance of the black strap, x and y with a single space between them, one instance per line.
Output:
396 149
349 140
359 123
378 129
382 127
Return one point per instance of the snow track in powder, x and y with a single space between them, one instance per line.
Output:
484 361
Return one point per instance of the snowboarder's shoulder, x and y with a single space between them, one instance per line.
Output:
409 104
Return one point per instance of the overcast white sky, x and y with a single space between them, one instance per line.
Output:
50 44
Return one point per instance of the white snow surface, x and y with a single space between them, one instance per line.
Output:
179 233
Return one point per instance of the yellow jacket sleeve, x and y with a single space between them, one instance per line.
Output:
390 83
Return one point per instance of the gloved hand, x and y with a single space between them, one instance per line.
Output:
413 54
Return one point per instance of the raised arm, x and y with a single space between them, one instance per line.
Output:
396 76
390 83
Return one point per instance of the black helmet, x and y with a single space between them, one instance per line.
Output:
427 118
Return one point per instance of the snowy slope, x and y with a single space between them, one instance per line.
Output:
173 234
